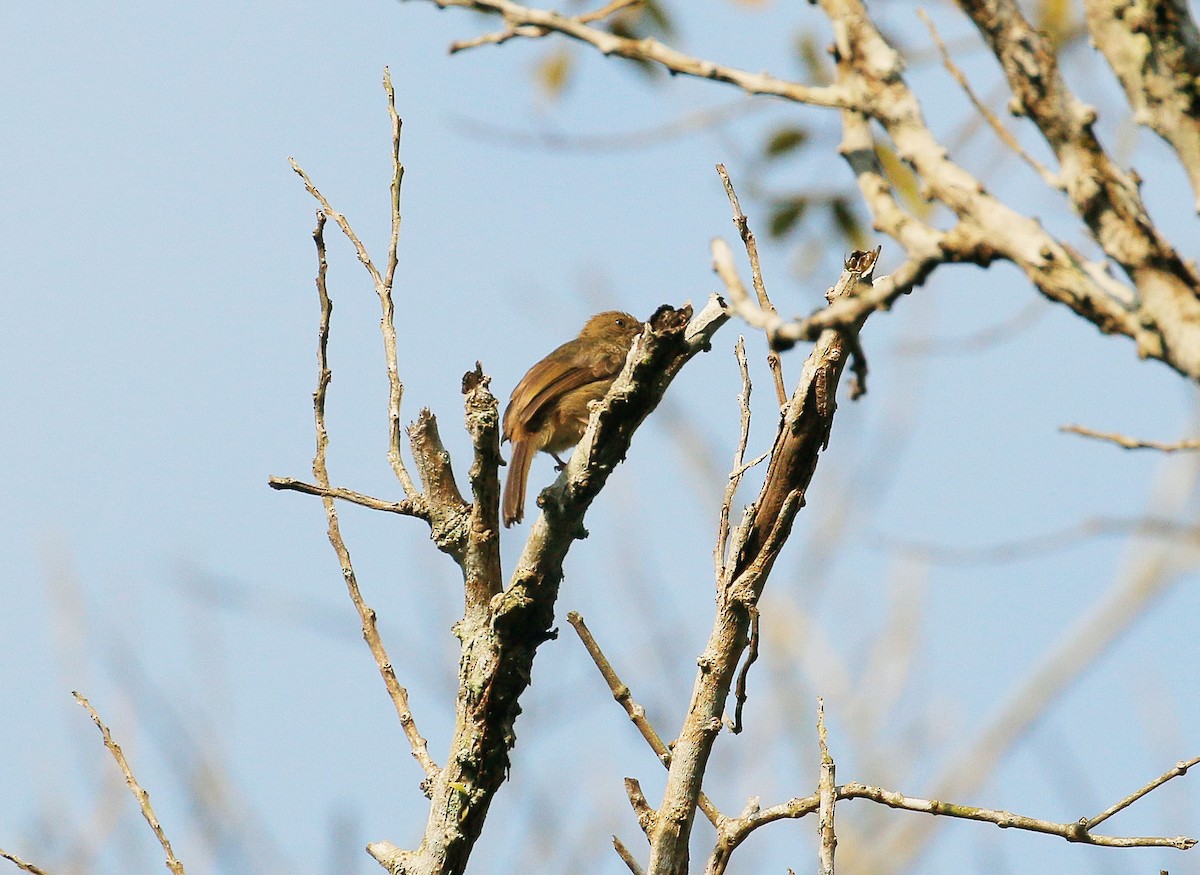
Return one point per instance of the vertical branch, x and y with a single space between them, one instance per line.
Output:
481 561
826 791
803 434
739 468
760 289
382 284
383 288
420 748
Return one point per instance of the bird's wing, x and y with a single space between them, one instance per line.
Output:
546 382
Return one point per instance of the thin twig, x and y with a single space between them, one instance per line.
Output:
623 853
510 31
496 37
743 226
738 828
139 793
735 476
408 507
383 285
1180 769
636 712
1048 176
827 794
1072 832
21 864
1132 443
529 22
420 748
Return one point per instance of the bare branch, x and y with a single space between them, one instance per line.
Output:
1180 769
1072 832
527 22
743 225
408 507
739 468
636 712
383 286
370 630
21 864
449 512
827 795
737 829
1155 51
139 793
623 853
610 8
1049 177
641 808
1104 196
1160 312
751 658
481 562
1132 443
803 433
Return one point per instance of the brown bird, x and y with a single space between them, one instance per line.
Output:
549 408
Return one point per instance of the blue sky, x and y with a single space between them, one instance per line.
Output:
159 330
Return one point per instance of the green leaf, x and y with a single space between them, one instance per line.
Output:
785 214
847 222
784 140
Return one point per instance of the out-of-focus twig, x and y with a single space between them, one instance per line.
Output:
1050 178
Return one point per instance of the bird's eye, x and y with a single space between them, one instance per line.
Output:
620 323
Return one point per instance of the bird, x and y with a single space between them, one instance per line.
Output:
548 410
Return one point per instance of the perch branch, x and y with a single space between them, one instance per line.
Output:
499 644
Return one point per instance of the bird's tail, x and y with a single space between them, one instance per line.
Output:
518 475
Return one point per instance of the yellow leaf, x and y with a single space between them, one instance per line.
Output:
903 180
554 72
